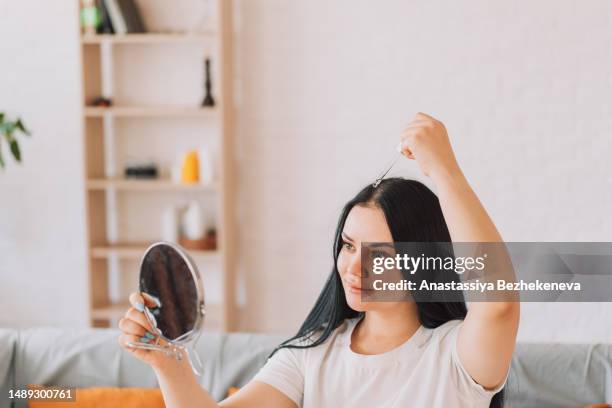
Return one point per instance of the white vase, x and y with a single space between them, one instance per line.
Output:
193 221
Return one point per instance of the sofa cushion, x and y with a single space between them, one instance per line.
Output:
560 375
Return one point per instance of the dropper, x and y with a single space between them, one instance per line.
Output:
380 178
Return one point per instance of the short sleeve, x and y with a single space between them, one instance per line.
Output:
285 372
463 379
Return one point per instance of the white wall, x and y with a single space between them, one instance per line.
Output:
42 250
523 87
325 89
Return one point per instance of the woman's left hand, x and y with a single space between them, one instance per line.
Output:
426 141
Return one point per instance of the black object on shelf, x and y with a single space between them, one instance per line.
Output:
208 99
106 26
102 102
141 171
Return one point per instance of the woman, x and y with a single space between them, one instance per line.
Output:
350 353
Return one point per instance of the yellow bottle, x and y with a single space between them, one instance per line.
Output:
191 168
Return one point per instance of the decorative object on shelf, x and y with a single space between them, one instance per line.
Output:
210 241
137 169
170 225
206 243
191 168
193 226
194 166
105 25
9 128
102 102
206 166
208 101
125 16
90 17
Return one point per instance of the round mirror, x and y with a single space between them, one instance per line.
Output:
171 279
174 297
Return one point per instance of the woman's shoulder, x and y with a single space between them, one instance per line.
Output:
445 333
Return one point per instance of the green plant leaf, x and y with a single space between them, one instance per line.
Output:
15 150
8 128
8 133
19 125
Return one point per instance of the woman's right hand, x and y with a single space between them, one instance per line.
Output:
136 328
426 141
176 379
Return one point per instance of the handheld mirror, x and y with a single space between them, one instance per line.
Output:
174 300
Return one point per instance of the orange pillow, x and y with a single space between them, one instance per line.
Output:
109 398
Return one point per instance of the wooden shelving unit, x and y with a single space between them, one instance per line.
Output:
124 128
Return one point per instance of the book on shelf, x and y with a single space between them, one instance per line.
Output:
106 26
132 16
125 16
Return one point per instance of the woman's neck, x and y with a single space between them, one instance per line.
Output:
383 330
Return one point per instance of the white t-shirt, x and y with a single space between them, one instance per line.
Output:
425 371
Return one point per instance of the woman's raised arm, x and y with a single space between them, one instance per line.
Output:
487 336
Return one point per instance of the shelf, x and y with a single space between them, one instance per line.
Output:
107 63
212 320
136 251
148 38
147 185
149 111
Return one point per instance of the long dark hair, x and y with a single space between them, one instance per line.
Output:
413 214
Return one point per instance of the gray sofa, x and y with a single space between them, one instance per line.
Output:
542 375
